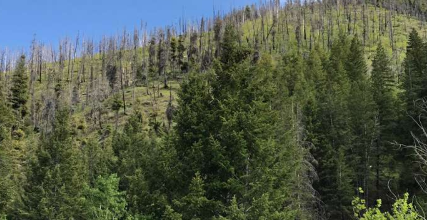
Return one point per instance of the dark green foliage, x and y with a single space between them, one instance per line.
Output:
224 133
195 205
363 117
56 178
117 103
332 132
292 73
173 53
181 50
6 118
19 89
414 79
111 74
231 52
8 188
98 159
145 167
355 65
152 56
383 87
384 90
413 96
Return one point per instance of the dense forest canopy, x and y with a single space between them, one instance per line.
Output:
297 110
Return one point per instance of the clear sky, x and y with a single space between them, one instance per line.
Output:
51 20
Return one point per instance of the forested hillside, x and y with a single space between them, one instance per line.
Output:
296 110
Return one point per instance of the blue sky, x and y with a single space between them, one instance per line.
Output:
51 20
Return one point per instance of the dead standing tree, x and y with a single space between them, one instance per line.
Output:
122 49
32 80
162 57
420 144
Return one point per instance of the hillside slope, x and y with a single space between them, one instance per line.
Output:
268 28
272 111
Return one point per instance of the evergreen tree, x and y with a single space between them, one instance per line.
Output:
383 84
103 200
116 105
8 188
363 113
195 205
413 81
19 89
98 159
181 50
383 87
355 64
292 74
296 94
56 178
414 91
173 50
111 74
152 56
332 132
223 132
146 168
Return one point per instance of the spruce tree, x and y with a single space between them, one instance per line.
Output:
146 168
363 113
225 131
8 188
383 84
104 200
413 95
98 159
413 81
332 131
56 176
19 89
195 205
383 87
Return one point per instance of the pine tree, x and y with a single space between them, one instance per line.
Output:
19 89
152 56
104 200
224 131
332 132
296 95
383 87
111 74
56 178
195 205
146 168
355 64
181 50
414 91
363 112
98 159
173 50
8 189
413 80
116 105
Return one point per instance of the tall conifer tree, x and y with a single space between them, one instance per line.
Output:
363 122
56 178
19 89
383 87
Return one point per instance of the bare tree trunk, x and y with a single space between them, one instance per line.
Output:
121 83
32 78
